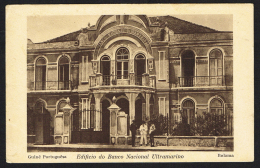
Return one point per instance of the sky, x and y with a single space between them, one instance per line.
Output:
43 28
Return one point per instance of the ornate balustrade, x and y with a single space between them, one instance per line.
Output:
50 85
192 81
121 80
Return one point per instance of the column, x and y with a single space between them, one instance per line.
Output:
147 102
131 98
97 113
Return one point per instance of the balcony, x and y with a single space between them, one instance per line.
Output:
50 85
124 80
197 81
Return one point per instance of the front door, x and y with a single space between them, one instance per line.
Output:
139 68
105 70
105 121
188 66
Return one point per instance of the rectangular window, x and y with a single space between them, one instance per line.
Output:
119 70
85 118
162 106
162 66
84 69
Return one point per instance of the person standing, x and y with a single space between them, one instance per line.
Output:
151 132
133 129
143 132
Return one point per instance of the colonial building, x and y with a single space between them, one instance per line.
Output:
151 66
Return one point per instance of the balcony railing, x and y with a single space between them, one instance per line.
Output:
138 80
51 85
131 79
192 81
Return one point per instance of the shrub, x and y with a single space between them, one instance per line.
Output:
208 124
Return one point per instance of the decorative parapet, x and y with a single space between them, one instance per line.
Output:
131 79
202 36
57 45
202 61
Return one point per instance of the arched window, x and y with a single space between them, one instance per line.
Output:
188 111
219 122
60 106
216 107
40 74
122 57
216 67
39 107
105 69
63 82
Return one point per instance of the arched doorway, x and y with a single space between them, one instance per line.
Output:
105 121
42 124
105 69
139 110
64 74
139 68
188 68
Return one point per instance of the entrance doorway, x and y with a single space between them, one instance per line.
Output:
139 110
105 69
105 121
139 68
188 68
42 124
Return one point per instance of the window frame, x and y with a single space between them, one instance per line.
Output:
41 65
85 112
84 70
163 68
188 112
216 67
122 64
215 107
60 65
163 112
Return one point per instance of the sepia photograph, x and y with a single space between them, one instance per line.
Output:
130 80
124 83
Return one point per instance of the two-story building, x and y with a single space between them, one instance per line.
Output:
151 65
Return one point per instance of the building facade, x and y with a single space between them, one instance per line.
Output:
152 66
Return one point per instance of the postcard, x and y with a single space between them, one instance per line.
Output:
129 83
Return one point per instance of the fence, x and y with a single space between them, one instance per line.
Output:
202 125
89 117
